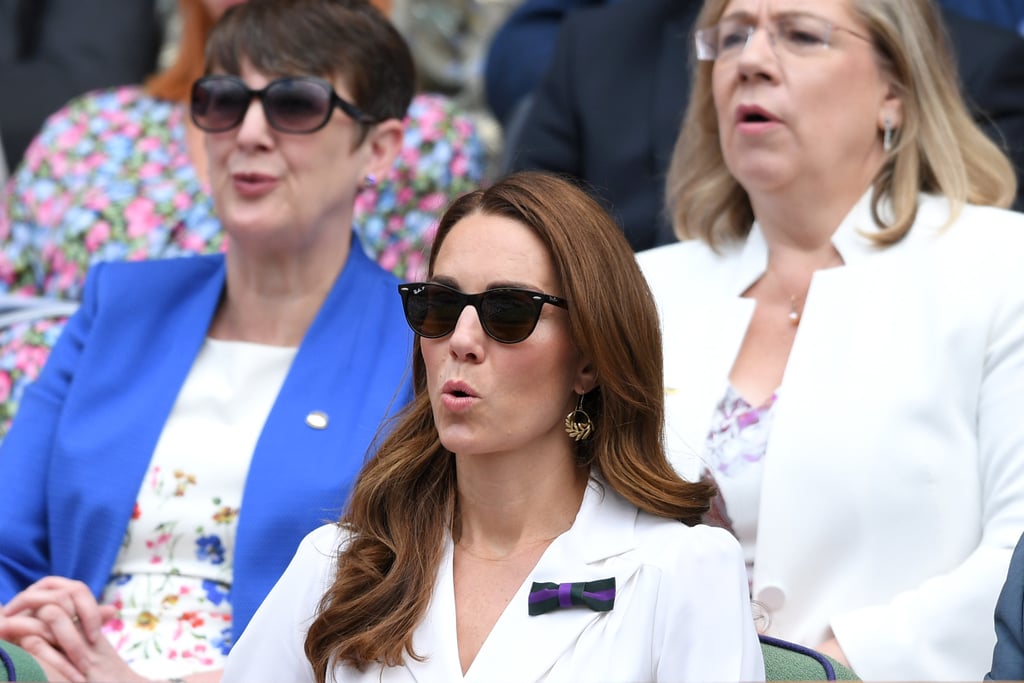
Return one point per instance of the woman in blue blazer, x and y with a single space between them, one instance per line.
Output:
199 416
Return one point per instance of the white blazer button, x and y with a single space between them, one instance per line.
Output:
772 597
317 419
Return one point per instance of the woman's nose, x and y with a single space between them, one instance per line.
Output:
758 54
467 339
254 126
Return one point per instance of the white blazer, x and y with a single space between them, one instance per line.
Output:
893 488
681 611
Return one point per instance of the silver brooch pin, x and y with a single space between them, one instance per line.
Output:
317 419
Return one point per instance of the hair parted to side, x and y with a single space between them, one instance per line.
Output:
938 148
405 498
347 39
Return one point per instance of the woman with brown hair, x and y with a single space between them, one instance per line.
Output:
521 522
856 283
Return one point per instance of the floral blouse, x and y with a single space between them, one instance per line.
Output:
734 451
109 178
171 581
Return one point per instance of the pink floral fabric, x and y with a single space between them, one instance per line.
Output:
738 436
176 562
24 347
734 453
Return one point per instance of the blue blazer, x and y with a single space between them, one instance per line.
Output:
80 446
1008 656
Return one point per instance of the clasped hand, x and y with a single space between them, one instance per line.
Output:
59 622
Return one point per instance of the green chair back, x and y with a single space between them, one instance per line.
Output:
18 665
785 661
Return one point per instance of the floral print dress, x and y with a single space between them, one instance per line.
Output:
172 579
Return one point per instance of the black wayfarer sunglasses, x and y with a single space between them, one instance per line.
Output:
292 105
507 314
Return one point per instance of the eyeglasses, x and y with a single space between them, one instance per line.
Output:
798 34
291 105
507 314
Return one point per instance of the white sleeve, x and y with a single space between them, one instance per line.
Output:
703 616
271 649
943 629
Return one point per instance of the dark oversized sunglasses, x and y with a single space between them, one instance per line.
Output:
507 314
292 105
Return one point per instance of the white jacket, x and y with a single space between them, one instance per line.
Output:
893 488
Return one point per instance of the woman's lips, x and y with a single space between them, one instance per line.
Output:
458 396
253 185
754 119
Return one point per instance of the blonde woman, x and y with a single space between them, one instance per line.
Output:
844 327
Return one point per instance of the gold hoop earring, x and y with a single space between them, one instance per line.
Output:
578 424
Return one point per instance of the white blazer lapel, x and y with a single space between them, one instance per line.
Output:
702 330
701 343
523 648
436 638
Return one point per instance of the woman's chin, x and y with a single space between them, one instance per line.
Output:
762 175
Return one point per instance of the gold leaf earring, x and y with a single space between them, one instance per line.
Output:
578 424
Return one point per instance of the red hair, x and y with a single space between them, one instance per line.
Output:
175 82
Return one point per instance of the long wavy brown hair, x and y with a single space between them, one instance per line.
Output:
938 149
404 501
